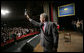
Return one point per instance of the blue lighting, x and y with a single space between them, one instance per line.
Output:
66 10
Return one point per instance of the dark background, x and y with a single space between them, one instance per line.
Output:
66 21
17 18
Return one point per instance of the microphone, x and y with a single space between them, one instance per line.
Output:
25 11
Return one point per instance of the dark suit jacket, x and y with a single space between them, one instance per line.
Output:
49 38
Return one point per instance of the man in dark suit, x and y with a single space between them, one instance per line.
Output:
49 34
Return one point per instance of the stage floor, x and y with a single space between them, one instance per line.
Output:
76 44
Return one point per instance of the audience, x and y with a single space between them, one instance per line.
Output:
8 33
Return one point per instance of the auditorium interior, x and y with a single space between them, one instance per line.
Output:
66 14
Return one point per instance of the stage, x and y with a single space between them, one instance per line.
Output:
76 44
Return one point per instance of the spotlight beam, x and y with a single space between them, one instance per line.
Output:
4 12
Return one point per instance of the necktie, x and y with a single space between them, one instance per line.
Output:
43 27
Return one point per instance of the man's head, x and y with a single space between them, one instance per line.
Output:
43 17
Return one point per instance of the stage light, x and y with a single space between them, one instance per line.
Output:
4 12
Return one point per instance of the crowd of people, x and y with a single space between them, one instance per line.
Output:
9 33
78 25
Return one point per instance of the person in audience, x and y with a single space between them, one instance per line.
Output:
81 26
78 25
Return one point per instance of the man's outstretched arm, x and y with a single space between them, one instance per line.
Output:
32 21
